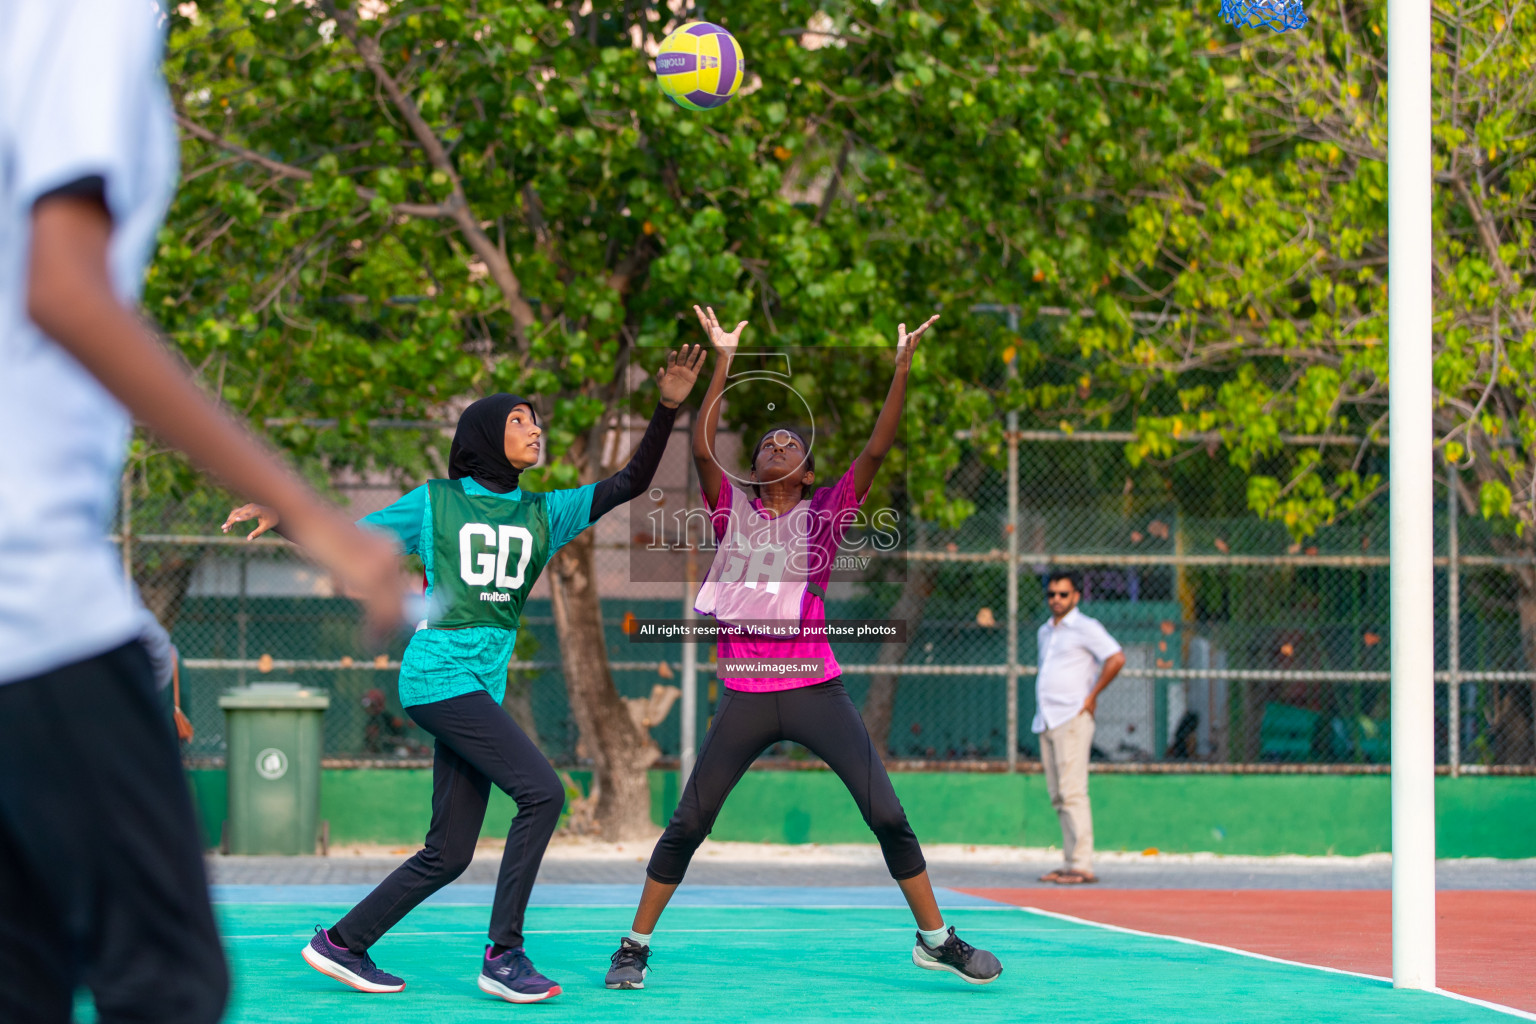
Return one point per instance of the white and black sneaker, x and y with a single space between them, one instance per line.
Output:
630 965
958 957
347 967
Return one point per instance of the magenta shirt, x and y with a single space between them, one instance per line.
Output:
831 508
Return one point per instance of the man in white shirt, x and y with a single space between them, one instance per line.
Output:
101 872
1078 659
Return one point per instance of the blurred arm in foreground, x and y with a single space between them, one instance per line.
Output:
70 296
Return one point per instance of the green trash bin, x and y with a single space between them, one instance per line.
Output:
273 734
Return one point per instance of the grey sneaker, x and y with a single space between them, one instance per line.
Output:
958 957
630 965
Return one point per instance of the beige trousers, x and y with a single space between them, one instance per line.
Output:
1064 751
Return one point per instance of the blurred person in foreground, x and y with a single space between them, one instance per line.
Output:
1078 659
102 882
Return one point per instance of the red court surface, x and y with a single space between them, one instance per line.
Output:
1486 940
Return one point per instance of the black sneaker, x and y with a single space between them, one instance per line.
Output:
347 967
957 956
513 977
630 965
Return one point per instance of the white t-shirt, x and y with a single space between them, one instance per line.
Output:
1071 653
81 95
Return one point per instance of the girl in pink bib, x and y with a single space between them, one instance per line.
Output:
766 589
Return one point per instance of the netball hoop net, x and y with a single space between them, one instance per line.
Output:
1275 15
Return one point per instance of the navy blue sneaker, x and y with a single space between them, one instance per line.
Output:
347 967
513 977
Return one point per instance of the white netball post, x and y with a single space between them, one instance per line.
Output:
1410 313
1410 333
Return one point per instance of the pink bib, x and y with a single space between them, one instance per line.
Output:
762 566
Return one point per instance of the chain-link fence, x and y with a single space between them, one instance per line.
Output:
1244 648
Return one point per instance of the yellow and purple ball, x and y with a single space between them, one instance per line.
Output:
700 66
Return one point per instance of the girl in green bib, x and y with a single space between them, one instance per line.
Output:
483 541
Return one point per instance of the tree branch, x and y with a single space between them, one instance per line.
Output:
456 206
293 173
1488 234
836 183
623 276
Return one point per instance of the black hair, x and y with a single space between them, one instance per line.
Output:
1076 579
810 456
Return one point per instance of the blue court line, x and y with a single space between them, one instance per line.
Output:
467 894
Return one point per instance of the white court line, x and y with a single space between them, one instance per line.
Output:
592 931
1500 1007
573 931
1000 908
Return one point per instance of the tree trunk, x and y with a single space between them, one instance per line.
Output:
622 752
881 698
519 704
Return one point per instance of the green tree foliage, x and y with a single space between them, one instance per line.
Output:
1251 297
388 207
382 214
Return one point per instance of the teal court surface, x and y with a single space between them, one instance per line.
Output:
757 953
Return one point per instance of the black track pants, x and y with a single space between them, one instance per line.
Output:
477 744
101 862
820 718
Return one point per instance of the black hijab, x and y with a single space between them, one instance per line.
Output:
479 443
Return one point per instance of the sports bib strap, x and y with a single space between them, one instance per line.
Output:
487 553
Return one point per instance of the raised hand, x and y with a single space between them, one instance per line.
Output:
907 343
265 517
724 342
676 379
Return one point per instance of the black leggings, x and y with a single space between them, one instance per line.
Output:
477 744
820 718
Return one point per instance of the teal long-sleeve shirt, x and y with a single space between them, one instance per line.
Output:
443 663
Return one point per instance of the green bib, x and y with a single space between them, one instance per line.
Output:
486 555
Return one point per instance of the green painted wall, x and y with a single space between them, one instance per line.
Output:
1494 817
386 805
813 807
1236 814
1250 814
210 795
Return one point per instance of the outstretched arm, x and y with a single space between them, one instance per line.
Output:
884 434
709 412
676 380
